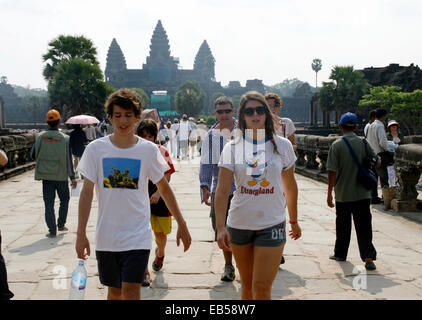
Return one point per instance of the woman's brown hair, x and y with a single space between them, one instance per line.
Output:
269 118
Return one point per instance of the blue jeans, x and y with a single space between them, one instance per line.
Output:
49 189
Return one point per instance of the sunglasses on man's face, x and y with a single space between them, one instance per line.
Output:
224 111
259 111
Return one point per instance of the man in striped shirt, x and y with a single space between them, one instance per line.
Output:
212 145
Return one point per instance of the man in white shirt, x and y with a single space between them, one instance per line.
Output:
90 132
377 139
371 120
183 137
174 143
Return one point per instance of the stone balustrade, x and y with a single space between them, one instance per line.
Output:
312 155
18 150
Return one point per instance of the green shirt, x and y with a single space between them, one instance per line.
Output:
347 188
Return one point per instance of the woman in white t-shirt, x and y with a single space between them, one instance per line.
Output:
262 165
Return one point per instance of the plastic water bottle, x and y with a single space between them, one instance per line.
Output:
78 282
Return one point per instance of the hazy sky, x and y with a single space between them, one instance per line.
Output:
250 39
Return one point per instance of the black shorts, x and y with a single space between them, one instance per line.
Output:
126 266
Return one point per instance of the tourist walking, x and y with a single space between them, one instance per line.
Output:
183 133
202 130
90 132
78 141
284 127
193 137
374 194
352 199
120 165
53 165
212 146
377 138
160 214
395 138
262 164
174 143
164 134
372 117
5 293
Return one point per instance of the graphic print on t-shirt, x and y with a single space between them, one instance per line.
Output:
257 169
121 173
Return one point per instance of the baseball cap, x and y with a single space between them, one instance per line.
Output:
393 122
53 115
348 119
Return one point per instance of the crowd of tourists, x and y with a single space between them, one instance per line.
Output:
246 177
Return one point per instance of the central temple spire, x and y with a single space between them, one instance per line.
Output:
160 48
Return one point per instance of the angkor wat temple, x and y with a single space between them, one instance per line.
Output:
161 72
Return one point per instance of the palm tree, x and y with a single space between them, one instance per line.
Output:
316 66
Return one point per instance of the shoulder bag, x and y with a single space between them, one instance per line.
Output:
366 176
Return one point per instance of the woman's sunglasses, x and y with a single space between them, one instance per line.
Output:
224 111
250 111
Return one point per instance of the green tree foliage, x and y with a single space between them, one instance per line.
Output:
236 102
215 96
344 92
404 107
77 88
284 89
209 120
36 108
316 66
380 97
23 92
408 110
75 81
146 101
190 98
66 48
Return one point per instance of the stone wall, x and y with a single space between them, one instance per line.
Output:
18 149
312 155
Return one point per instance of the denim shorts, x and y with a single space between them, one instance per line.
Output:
271 237
126 266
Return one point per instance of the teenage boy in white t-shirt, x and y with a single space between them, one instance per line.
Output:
120 166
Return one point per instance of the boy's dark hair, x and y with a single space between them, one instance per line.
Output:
381 112
372 114
126 99
222 101
53 124
149 126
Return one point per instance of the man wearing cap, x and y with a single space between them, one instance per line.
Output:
351 198
53 165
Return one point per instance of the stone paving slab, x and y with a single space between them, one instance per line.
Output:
39 268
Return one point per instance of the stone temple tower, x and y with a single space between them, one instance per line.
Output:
160 64
205 62
116 63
